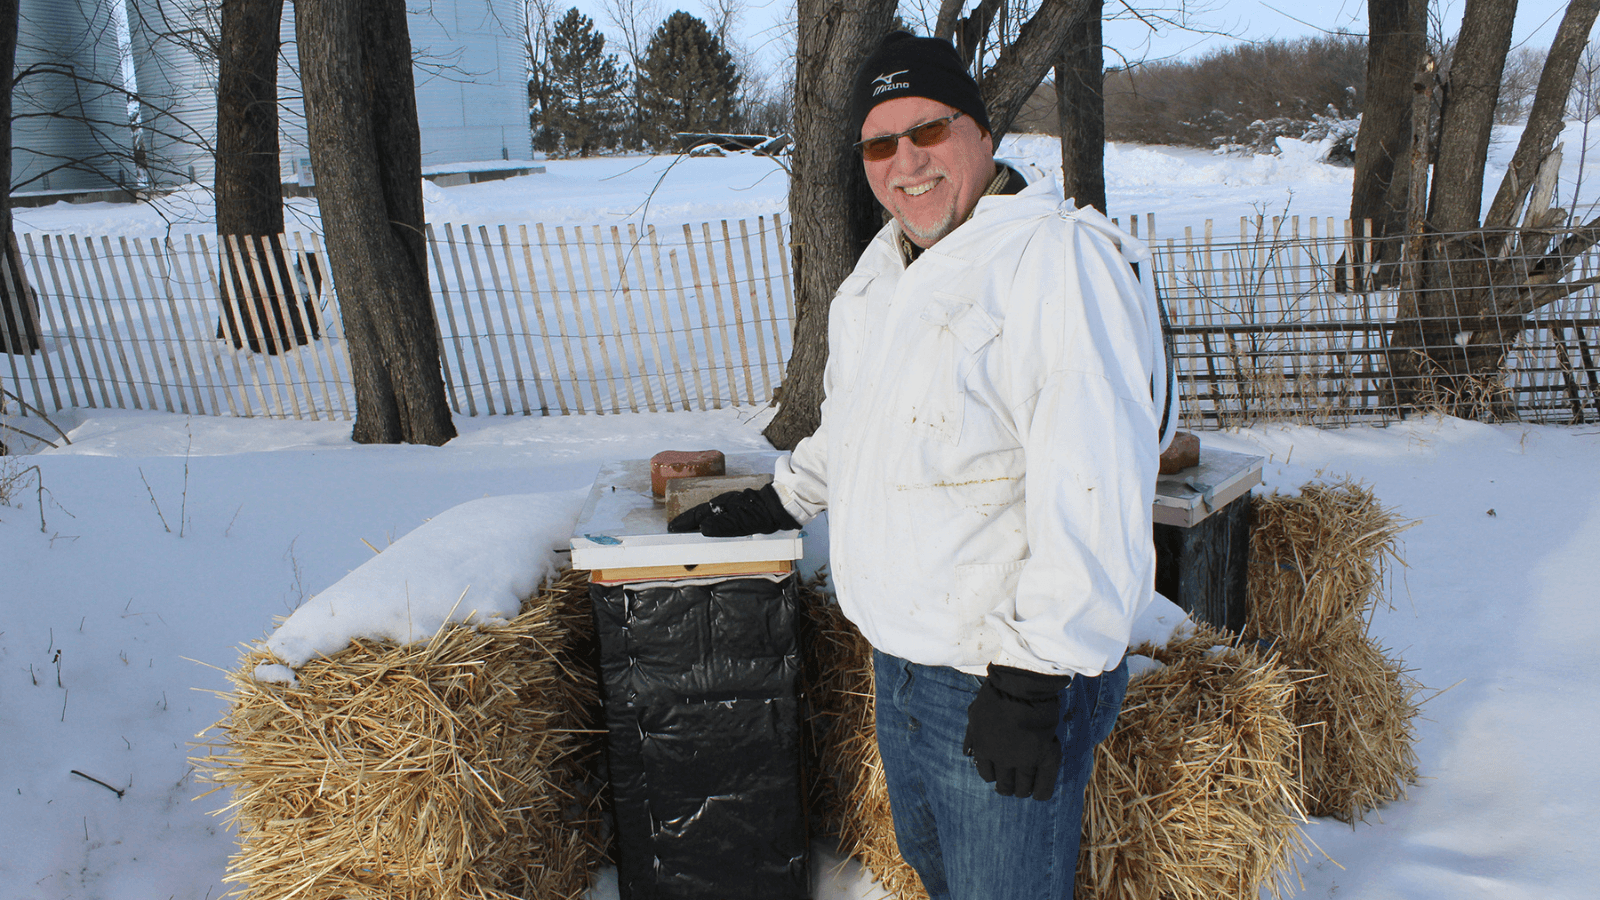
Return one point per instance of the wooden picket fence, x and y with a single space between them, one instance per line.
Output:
642 321
532 320
537 320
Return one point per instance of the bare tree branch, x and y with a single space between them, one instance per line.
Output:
1008 84
1547 117
949 14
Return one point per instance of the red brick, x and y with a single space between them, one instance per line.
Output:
669 464
1183 453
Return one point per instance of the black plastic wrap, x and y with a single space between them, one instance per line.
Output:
703 736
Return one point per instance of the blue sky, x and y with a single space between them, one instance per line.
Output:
1221 22
767 29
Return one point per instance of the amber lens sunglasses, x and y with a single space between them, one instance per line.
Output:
925 135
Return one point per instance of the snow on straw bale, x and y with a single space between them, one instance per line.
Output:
454 767
475 562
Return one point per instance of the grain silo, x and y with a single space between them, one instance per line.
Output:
471 74
69 129
472 81
177 82
471 77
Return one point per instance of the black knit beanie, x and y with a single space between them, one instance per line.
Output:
905 65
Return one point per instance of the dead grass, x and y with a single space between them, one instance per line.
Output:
1481 396
12 478
1262 390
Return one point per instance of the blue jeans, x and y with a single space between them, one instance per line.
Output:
966 841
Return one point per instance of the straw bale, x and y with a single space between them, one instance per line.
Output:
452 768
1317 571
1191 795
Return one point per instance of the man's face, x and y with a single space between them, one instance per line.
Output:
929 190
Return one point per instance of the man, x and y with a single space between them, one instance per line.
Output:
988 454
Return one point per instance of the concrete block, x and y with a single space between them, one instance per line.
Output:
687 493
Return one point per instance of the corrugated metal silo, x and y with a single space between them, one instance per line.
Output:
470 73
471 77
472 81
70 122
177 80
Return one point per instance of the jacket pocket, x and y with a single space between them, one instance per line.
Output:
972 328
983 590
957 331
854 286
977 583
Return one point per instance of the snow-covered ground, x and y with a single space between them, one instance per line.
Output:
134 562
114 629
1183 187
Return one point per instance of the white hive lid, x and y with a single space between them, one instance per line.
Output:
1188 497
623 525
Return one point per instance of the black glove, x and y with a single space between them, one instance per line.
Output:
1011 731
737 513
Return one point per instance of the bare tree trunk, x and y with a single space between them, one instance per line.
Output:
1470 290
1467 116
1546 118
971 30
1014 76
832 213
1418 159
249 189
1397 40
366 149
19 311
248 181
1081 112
949 14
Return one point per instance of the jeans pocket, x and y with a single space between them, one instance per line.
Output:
967 682
1108 703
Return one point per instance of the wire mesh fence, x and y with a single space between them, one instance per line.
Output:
1295 319
1303 320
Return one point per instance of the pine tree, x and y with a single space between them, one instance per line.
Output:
689 82
585 89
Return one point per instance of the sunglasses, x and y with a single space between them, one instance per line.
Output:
925 135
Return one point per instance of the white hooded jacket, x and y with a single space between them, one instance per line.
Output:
988 448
